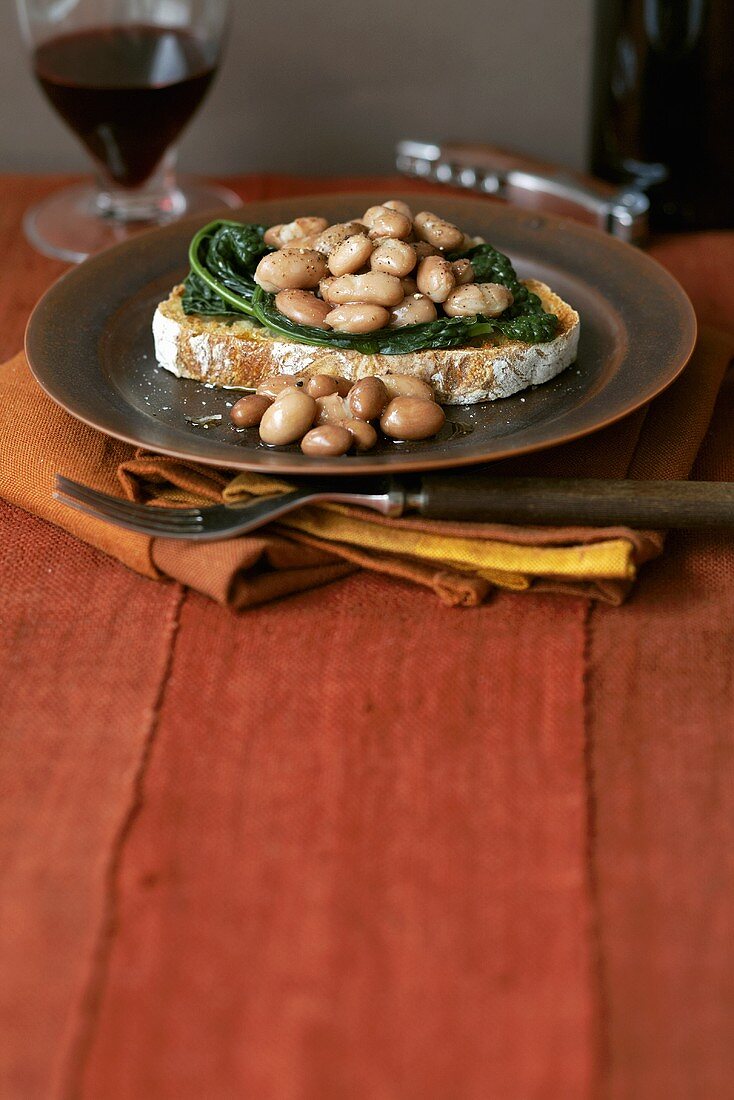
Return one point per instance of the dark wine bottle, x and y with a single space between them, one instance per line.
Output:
664 107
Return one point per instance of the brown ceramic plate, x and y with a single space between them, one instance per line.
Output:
89 345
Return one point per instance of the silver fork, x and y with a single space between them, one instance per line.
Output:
476 497
221 521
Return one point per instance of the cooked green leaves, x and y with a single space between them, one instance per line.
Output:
449 332
224 255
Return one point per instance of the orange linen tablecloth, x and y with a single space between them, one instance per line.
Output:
355 844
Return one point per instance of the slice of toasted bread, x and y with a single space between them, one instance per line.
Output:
242 354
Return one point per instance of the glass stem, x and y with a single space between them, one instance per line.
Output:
158 200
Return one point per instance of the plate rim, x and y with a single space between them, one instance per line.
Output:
411 463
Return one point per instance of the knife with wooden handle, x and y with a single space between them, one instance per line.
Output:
528 183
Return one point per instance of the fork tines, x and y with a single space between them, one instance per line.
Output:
144 518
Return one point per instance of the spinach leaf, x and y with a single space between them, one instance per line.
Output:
490 266
199 298
224 256
449 332
233 253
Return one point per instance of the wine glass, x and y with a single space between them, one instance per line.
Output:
126 76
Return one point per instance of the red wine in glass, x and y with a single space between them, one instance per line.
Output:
126 84
127 91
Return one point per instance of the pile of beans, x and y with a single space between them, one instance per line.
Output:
386 270
331 416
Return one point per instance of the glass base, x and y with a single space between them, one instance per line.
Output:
70 224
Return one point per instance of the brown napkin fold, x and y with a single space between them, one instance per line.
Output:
39 440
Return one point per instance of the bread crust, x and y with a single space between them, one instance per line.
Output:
242 354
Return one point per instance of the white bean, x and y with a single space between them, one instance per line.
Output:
367 398
497 298
350 255
303 242
303 307
330 238
384 222
400 206
327 440
358 317
249 410
407 385
435 278
363 434
331 409
288 419
465 301
290 269
463 272
393 257
321 385
489 299
274 384
436 231
413 310
280 235
412 418
374 288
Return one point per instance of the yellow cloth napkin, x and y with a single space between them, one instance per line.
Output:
506 564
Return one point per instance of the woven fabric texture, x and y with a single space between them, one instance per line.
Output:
461 563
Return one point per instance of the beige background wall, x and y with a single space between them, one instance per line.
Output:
329 85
